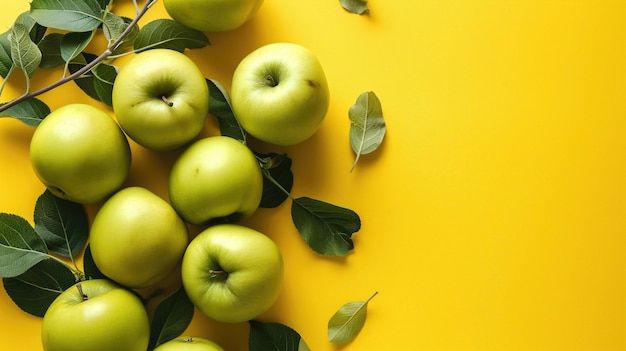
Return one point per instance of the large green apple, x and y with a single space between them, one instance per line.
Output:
80 153
161 99
188 343
212 15
96 315
136 238
280 94
232 273
216 177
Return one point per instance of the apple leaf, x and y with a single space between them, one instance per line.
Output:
171 318
31 111
104 4
221 108
114 27
50 48
89 266
24 52
169 34
35 30
34 290
62 224
104 77
73 16
367 128
274 336
86 81
74 43
325 227
279 168
348 321
6 63
358 7
20 246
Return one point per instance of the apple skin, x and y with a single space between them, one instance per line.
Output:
216 177
212 15
80 154
280 94
188 343
112 318
232 273
137 239
139 91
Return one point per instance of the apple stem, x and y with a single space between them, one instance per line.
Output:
216 272
271 80
84 296
167 101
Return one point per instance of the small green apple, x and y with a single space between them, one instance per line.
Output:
280 94
212 15
216 177
136 238
161 99
232 273
80 153
95 315
188 343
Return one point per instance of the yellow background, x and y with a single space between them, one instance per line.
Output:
493 215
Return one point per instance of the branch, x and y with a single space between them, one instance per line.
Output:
87 67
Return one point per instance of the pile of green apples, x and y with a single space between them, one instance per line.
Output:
81 153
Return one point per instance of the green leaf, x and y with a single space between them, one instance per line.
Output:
73 16
358 7
348 321
367 128
104 4
50 48
20 246
104 76
62 224
86 81
34 290
6 63
221 108
275 336
169 34
31 111
279 169
113 28
24 52
36 30
325 227
89 266
171 318
73 44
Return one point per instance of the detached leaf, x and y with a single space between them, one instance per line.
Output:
275 336
221 108
325 227
171 318
20 246
50 48
37 288
348 321
358 7
368 125
279 169
73 44
24 52
31 112
62 224
73 16
89 266
169 34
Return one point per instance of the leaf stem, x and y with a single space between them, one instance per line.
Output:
268 175
87 67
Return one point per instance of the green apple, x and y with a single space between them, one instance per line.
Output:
136 238
216 177
232 273
188 343
80 153
161 99
280 94
212 15
95 315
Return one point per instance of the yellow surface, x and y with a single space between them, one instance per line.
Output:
494 214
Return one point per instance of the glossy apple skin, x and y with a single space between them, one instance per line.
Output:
251 266
288 108
137 239
215 178
138 93
212 15
112 318
188 343
80 153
